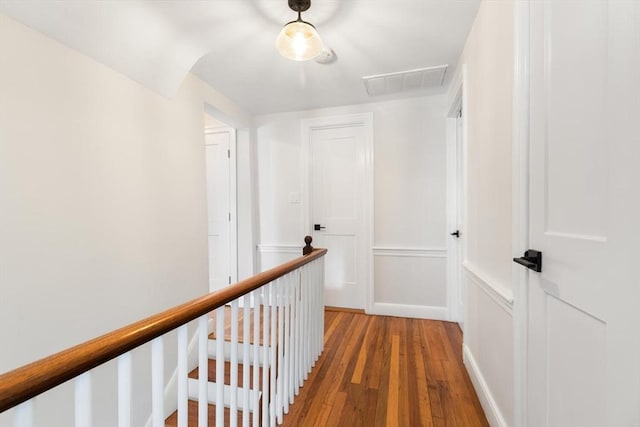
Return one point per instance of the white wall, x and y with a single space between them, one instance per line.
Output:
102 203
409 193
488 337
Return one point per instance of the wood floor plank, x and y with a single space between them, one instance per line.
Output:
378 353
338 375
394 382
421 401
356 378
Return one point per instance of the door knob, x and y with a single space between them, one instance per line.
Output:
318 227
456 234
532 259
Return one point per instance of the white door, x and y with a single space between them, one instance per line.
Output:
218 144
584 327
458 234
338 204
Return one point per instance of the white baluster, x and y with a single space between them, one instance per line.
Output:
203 371
220 312
316 312
280 285
266 363
320 267
83 400
157 382
125 378
286 368
312 318
246 365
305 324
272 356
183 376
298 358
24 414
234 364
257 306
312 314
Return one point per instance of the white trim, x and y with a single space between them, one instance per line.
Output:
279 249
233 205
409 252
520 205
212 394
365 120
591 238
406 310
491 409
498 293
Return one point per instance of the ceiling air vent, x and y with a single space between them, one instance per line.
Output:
422 78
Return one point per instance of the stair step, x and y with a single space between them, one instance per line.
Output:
228 392
172 420
227 373
227 346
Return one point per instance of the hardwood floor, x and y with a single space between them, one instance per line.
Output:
386 371
379 371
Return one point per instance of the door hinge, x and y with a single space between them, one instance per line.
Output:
228 154
229 216
229 279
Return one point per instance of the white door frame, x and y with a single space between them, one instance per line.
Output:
520 204
233 199
365 120
456 182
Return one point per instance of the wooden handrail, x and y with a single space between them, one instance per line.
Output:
30 380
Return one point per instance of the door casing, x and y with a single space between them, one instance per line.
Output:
456 196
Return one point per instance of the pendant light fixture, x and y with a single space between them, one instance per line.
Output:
299 40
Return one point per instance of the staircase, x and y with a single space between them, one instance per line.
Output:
248 372
245 370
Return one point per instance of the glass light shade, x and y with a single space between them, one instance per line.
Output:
299 41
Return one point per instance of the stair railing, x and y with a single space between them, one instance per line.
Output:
281 330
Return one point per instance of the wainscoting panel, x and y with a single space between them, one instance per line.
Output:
489 344
410 282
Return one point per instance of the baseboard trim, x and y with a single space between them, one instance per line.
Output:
491 409
344 309
406 310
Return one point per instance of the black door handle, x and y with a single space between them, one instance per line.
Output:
532 259
318 227
456 234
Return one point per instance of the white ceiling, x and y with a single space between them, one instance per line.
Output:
230 43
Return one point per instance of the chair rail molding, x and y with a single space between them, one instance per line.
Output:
409 252
279 248
500 294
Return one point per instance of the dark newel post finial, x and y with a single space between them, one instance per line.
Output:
308 248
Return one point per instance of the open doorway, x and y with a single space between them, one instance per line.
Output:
220 155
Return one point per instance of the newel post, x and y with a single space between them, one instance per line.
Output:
308 248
